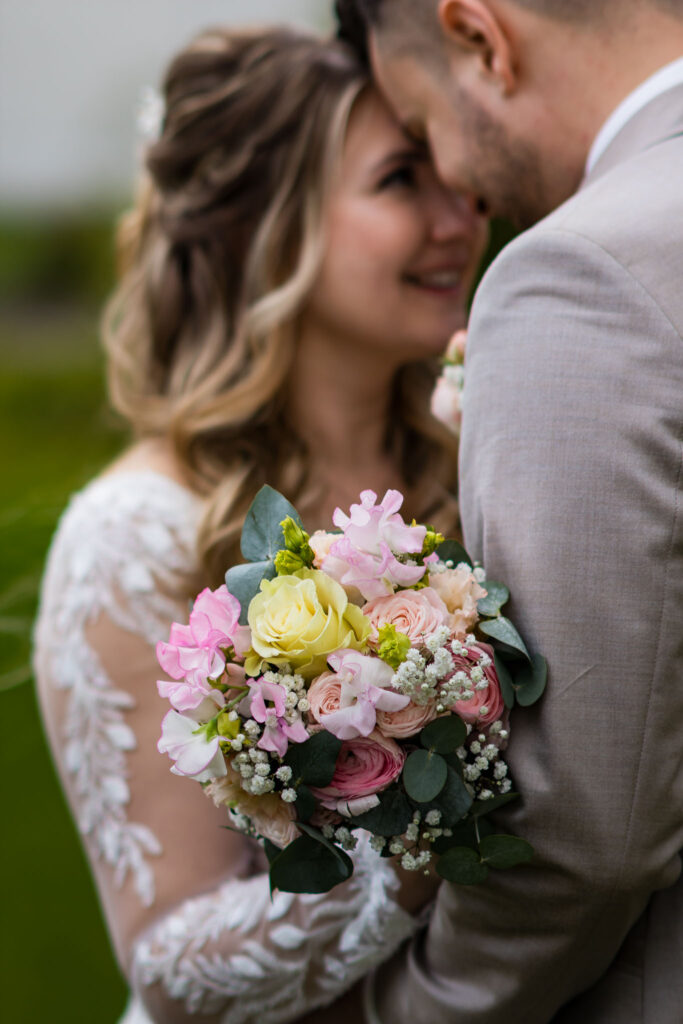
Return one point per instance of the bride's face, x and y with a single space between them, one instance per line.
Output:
402 250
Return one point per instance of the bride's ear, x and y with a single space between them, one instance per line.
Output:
472 27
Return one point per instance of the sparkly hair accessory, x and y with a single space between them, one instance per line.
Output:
150 114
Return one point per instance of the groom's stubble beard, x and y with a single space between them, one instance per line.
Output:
508 172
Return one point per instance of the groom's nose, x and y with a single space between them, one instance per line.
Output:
454 214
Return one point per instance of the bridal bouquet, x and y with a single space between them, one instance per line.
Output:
357 680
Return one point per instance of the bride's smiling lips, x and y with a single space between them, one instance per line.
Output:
442 280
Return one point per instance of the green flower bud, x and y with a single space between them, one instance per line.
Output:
393 646
431 542
288 562
226 726
296 541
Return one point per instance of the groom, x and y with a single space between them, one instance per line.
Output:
571 489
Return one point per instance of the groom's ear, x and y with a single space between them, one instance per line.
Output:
471 26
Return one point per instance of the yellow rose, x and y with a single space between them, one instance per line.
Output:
299 620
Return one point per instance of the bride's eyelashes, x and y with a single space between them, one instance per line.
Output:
400 177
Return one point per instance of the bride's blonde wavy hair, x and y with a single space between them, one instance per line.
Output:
218 258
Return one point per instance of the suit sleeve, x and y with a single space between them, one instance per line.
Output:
570 494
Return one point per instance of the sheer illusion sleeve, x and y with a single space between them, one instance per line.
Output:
187 901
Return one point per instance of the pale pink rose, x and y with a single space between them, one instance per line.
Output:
323 695
486 705
407 722
460 592
446 400
269 814
365 766
321 542
373 535
271 817
417 613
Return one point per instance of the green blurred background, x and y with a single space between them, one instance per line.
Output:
56 962
56 269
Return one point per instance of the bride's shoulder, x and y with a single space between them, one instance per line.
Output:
136 517
143 485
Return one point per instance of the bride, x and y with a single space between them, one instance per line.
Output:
289 274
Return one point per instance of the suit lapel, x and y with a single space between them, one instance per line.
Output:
659 120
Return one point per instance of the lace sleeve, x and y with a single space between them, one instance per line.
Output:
193 924
119 548
251 958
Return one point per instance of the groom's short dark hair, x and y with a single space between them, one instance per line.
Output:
356 17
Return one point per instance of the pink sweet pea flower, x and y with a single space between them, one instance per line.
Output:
187 694
363 689
185 743
278 731
365 557
214 622
195 653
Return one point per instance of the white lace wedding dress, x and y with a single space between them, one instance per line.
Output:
231 951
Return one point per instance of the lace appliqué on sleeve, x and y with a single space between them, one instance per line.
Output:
251 958
119 541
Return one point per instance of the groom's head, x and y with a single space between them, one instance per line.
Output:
509 94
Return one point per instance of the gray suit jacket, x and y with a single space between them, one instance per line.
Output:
571 476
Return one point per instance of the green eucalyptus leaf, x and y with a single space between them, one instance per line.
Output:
310 864
451 551
305 803
505 851
504 677
244 582
501 629
454 800
497 594
462 866
444 735
482 807
531 681
454 762
424 775
314 761
390 818
271 850
262 534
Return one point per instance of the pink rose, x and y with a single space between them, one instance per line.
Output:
323 695
365 766
486 705
414 612
460 592
405 723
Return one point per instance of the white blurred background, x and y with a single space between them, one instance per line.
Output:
71 76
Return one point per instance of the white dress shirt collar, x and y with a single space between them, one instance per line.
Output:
663 80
